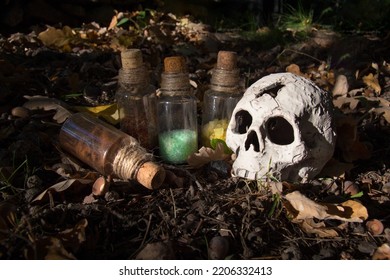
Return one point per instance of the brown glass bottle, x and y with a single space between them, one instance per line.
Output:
222 97
136 99
109 150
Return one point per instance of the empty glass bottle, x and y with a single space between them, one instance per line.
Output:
177 115
136 99
219 101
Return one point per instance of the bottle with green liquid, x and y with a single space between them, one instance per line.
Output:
221 98
177 114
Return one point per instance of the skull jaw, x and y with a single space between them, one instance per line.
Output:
292 164
282 173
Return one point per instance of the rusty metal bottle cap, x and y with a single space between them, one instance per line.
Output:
175 64
131 58
226 60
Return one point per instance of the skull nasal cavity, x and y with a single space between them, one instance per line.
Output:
280 131
252 140
243 121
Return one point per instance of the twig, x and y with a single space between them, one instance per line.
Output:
174 204
297 52
146 231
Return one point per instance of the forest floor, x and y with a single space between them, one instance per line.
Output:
48 211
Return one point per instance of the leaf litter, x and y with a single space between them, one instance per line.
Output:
53 207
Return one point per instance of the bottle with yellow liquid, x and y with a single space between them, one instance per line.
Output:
222 97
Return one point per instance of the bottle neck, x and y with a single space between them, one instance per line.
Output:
175 84
133 77
225 80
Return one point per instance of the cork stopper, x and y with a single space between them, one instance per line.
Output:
151 175
226 60
131 58
175 64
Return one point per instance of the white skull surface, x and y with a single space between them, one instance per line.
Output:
282 127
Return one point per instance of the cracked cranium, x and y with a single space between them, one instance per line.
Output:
282 127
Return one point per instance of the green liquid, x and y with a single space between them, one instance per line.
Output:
177 145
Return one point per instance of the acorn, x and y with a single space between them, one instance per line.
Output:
350 188
218 248
375 227
100 186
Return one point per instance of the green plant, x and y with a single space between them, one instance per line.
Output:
298 20
6 180
276 207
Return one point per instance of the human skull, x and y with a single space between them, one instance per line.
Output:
282 127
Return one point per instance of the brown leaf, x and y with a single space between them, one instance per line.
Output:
319 229
335 168
348 141
293 68
7 218
372 81
346 102
48 248
113 22
45 103
384 112
59 247
341 86
70 187
73 237
206 155
382 252
56 37
301 207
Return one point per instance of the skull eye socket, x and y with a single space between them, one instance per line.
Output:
279 131
243 121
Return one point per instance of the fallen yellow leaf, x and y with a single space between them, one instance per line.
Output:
108 112
372 81
56 37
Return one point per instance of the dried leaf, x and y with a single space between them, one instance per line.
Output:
348 140
319 229
108 112
372 81
71 186
293 68
39 102
335 168
59 247
346 102
7 218
206 155
73 237
341 86
301 207
382 252
383 111
49 248
56 37
113 22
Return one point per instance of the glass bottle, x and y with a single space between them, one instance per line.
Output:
177 114
109 150
136 99
221 98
